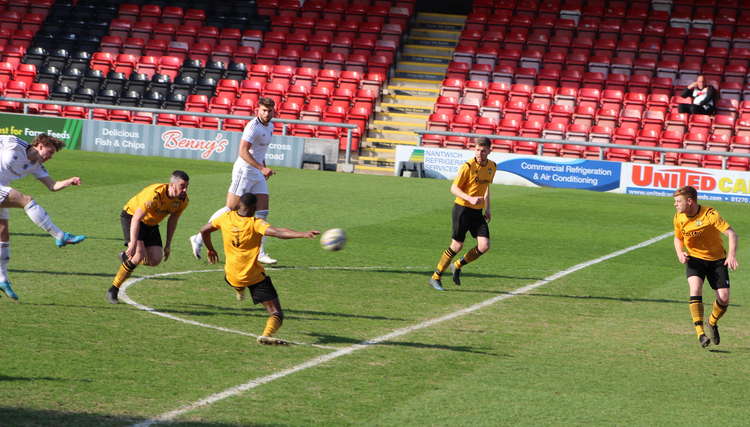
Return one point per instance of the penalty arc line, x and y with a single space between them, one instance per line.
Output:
168 416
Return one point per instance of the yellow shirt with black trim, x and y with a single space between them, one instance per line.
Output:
473 179
242 236
701 233
156 203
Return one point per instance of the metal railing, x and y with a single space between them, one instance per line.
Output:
542 141
157 111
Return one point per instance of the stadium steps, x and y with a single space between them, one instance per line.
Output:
410 96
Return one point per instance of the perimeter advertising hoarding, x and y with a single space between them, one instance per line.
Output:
27 127
187 143
662 180
513 169
595 175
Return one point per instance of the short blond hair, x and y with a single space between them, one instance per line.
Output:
687 191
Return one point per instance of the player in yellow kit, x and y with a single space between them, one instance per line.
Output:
140 218
472 190
698 244
242 234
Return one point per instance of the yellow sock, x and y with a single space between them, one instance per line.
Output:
470 256
716 313
696 312
122 274
273 324
445 260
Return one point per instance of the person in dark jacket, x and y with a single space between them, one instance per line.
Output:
703 96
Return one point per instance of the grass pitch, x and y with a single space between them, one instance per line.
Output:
610 344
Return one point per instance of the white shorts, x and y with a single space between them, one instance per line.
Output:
247 180
4 192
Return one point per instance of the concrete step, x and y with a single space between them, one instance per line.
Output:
405 108
435 34
424 17
388 153
428 101
374 170
386 142
411 90
421 83
377 160
418 49
395 135
432 41
394 125
421 75
402 117
410 66
427 59
438 25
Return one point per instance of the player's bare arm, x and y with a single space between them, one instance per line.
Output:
53 185
206 231
171 227
244 153
731 260
474 200
487 211
135 228
681 255
286 233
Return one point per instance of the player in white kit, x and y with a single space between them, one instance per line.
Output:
250 173
18 158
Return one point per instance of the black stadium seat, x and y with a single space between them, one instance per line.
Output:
61 93
152 100
138 82
84 94
130 98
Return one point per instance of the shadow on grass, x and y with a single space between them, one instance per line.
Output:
335 339
22 417
110 274
581 297
47 236
214 310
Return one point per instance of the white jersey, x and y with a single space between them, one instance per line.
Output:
14 161
259 136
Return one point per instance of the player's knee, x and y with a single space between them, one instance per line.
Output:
484 247
24 199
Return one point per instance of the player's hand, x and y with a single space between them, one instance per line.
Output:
487 216
476 200
267 172
311 234
167 251
213 257
731 262
130 251
74 181
682 257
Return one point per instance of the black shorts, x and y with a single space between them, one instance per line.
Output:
715 271
471 220
148 233
261 292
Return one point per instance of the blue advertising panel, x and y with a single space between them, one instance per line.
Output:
581 174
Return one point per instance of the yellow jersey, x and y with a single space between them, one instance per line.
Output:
156 203
701 233
473 179
242 236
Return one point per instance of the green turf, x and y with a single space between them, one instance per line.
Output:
611 344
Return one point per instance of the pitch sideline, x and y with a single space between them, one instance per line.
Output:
168 416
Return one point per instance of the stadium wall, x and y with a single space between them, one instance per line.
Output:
593 175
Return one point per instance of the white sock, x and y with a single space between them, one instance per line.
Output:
216 214
262 215
4 258
39 216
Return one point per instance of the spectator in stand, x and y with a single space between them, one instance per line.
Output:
703 95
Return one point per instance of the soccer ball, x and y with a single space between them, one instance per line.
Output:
333 239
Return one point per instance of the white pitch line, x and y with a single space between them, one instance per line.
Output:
167 416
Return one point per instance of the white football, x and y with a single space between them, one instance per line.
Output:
333 239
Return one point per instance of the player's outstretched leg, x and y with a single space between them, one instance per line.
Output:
263 257
8 291
5 286
39 216
69 239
